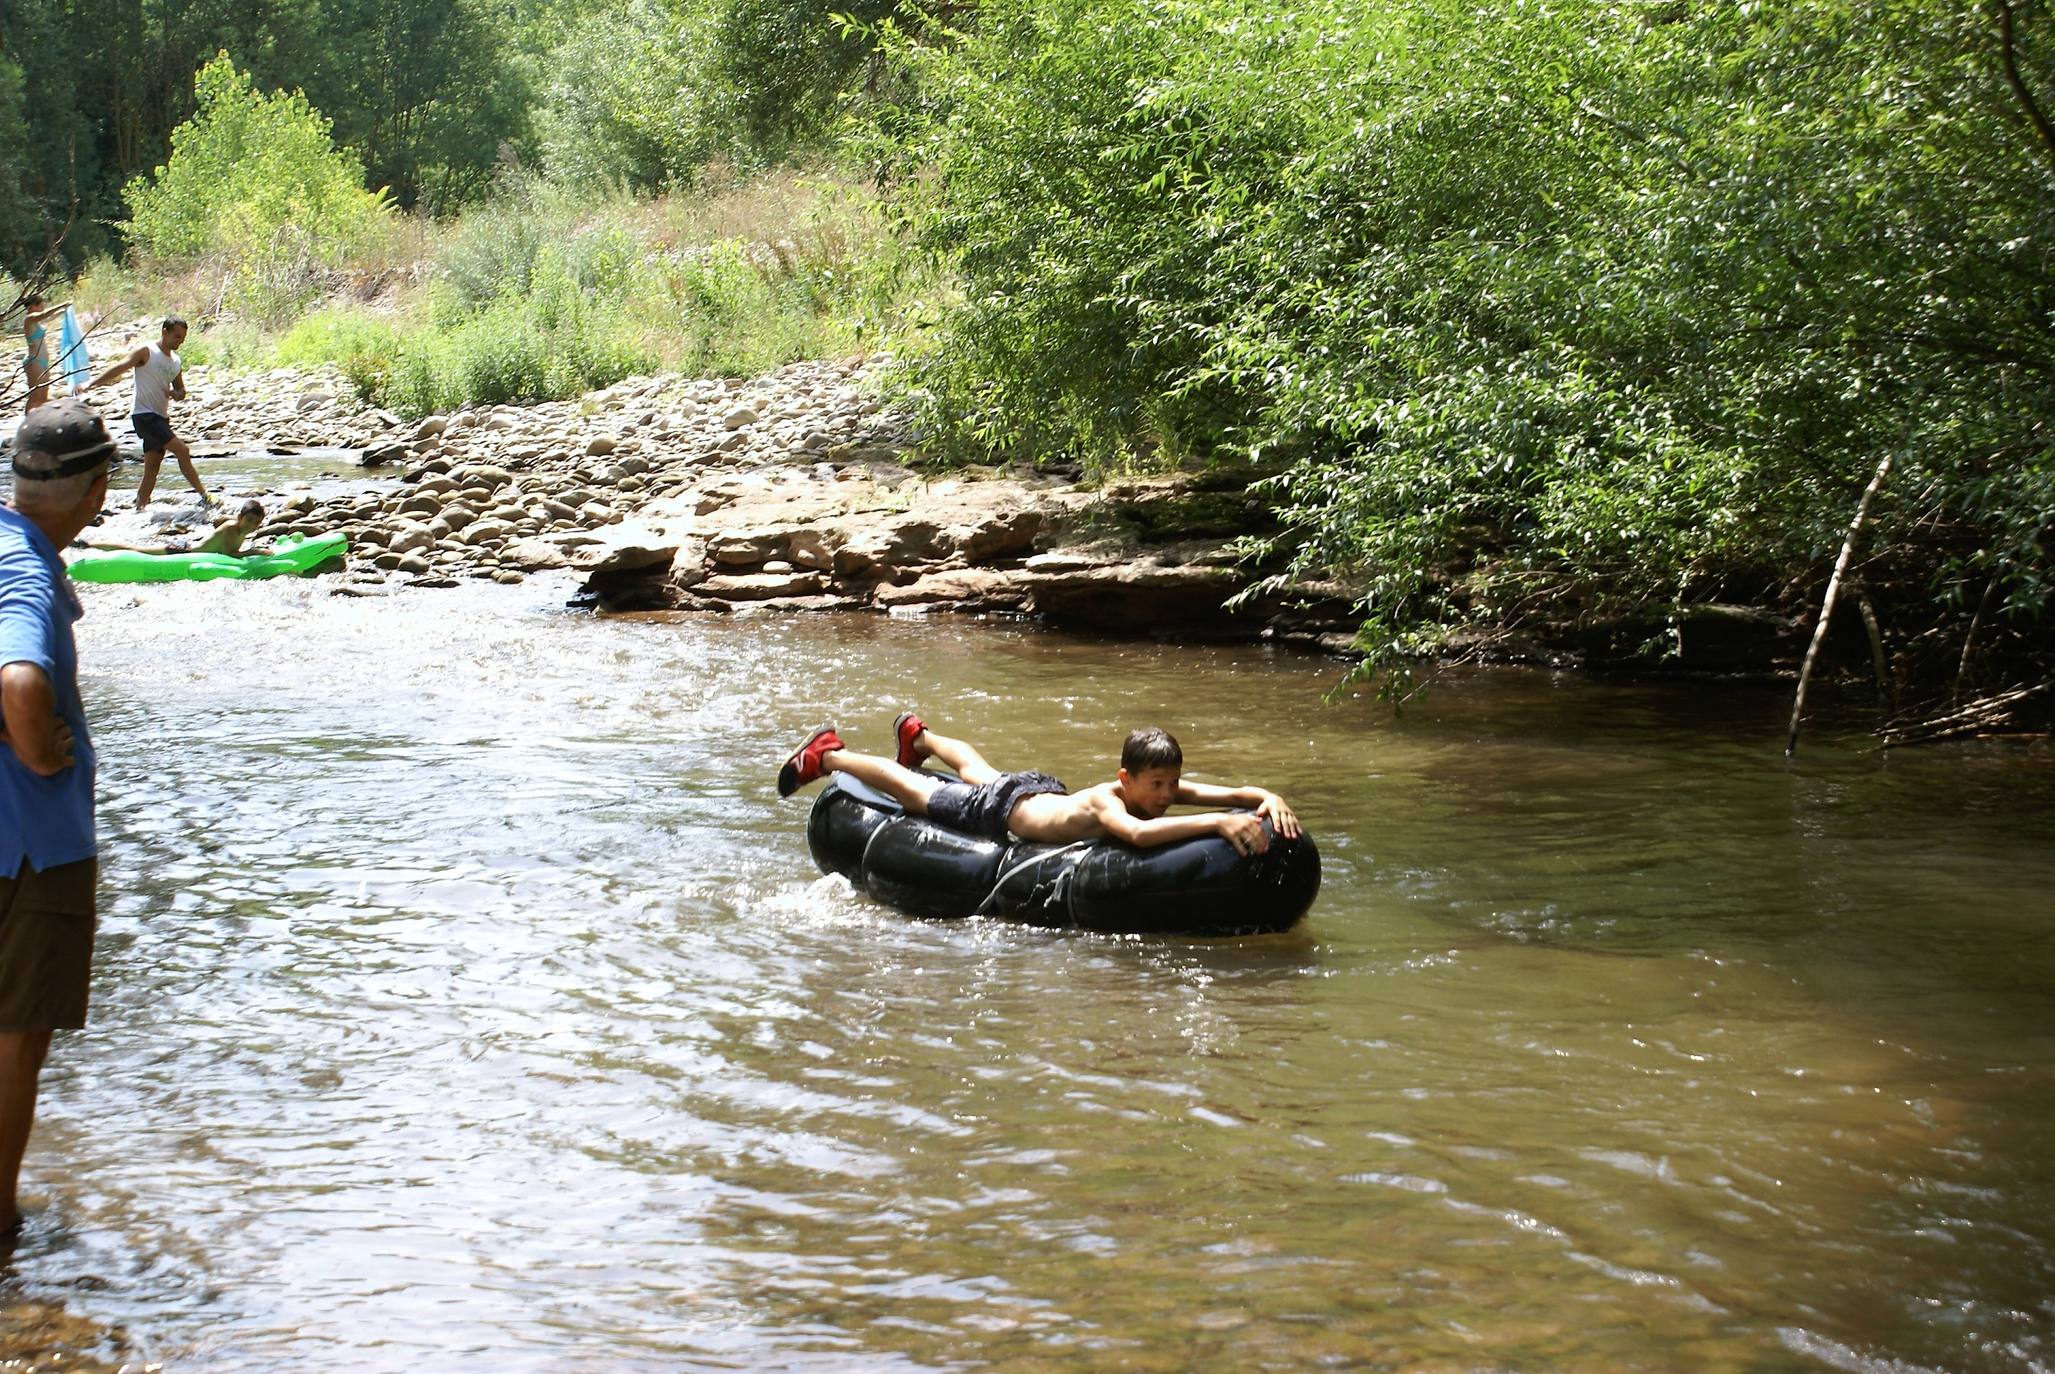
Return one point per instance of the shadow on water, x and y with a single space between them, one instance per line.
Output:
465 1000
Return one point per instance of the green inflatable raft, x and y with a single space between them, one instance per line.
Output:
290 555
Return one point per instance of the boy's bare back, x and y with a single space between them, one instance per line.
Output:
1064 817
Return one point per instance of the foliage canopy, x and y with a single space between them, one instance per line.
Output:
1560 310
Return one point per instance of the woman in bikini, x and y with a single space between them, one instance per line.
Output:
35 331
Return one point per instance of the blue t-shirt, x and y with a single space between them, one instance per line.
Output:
47 821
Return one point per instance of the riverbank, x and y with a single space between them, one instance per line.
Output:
796 491
800 490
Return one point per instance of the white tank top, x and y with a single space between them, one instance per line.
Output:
153 381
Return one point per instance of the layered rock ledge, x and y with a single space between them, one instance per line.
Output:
789 492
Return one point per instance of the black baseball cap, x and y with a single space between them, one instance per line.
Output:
60 439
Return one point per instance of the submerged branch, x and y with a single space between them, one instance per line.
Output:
1819 633
1980 716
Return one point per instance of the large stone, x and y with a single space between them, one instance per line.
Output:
1000 535
759 586
483 474
625 548
813 547
689 564
408 536
880 549
748 548
1136 594
956 588
601 444
533 555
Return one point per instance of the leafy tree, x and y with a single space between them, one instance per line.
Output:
629 101
427 91
645 93
17 213
792 64
254 178
1565 312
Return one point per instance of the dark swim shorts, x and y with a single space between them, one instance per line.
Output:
983 810
46 946
153 429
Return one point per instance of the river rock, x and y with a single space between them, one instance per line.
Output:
409 536
981 588
759 586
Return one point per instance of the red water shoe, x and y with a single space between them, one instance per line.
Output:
906 730
805 764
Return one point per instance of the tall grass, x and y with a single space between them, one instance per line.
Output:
543 293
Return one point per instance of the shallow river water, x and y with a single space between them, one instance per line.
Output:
465 1000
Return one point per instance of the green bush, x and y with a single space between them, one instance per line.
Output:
1553 311
255 181
365 349
632 100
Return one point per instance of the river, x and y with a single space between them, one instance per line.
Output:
465 1000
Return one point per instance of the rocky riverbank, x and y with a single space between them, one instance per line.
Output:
788 492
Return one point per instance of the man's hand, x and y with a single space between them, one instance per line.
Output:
1281 818
32 727
1243 831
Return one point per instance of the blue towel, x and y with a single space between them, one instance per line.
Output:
70 368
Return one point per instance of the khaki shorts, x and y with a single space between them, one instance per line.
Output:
46 946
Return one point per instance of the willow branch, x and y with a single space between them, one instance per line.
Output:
1819 632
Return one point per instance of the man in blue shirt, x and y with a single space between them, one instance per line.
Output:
49 856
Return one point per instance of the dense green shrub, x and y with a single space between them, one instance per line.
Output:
254 180
248 169
633 100
1570 310
365 349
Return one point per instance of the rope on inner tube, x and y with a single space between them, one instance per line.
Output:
1022 866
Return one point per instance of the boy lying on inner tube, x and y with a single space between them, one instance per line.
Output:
228 536
1035 806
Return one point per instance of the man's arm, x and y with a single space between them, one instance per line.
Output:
133 360
1264 802
1238 828
178 386
36 733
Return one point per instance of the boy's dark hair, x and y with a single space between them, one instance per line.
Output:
1150 748
255 508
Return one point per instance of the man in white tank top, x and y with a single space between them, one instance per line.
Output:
160 380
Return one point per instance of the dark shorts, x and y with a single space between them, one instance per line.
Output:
983 810
46 946
153 429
